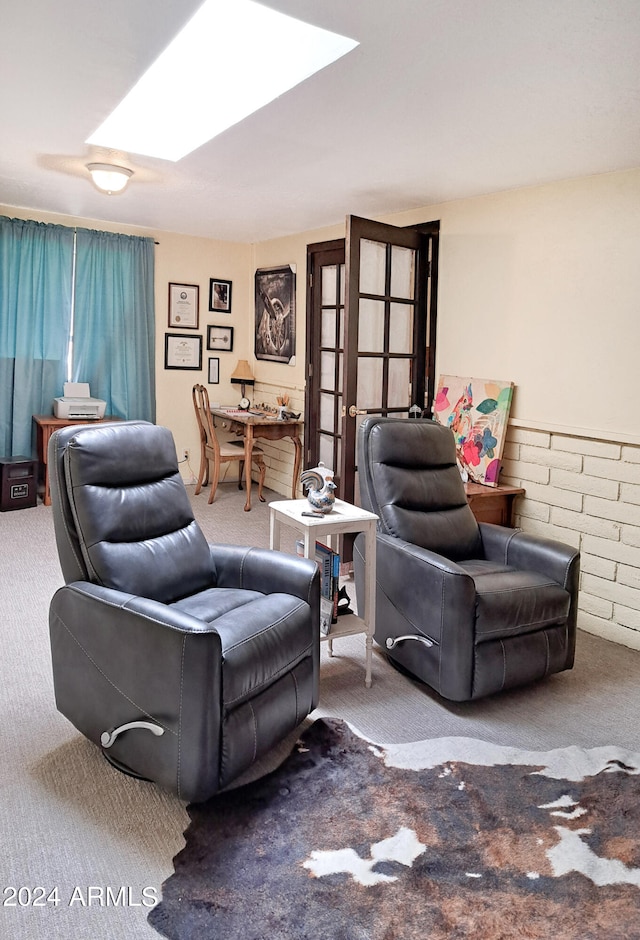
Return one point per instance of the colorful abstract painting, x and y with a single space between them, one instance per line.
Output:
477 411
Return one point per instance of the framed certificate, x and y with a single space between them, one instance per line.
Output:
182 351
184 306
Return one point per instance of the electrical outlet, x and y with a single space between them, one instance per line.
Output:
185 454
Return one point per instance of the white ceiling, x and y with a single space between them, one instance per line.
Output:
443 99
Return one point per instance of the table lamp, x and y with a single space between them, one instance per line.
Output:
243 376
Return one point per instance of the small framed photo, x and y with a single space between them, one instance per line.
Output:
214 371
219 295
182 351
184 306
220 337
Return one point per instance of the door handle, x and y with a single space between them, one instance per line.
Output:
353 411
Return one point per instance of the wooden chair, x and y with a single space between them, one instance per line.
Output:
213 454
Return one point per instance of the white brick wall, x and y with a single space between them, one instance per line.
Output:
582 491
279 455
585 492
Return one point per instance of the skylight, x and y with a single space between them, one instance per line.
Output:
232 58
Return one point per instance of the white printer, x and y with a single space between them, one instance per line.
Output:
78 403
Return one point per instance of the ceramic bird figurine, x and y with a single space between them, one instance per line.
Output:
320 488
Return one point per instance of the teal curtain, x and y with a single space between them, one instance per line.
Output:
36 263
114 323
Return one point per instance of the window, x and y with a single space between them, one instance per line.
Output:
74 304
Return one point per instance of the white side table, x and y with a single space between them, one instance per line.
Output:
343 518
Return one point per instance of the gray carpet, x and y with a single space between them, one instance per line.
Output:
71 822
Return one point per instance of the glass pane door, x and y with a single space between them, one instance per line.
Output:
371 317
385 335
331 364
325 351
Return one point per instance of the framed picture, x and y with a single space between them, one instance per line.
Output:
182 351
214 371
219 295
275 311
477 411
220 337
184 306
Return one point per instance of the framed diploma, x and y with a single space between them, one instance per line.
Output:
182 351
184 306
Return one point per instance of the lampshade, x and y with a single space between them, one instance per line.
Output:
242 374
109 179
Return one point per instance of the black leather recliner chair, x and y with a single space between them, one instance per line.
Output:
183 661
470 609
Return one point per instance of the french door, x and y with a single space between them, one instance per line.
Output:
371 318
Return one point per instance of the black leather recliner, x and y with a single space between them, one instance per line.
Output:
470 609
183 661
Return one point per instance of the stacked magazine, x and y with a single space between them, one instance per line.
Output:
329 564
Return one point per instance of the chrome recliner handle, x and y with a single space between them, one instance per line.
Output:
391 642
108 737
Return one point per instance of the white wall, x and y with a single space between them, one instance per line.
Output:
585 492
182 259
540 286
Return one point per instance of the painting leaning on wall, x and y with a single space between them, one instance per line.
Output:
477 411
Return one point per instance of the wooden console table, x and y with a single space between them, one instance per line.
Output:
492 503
45 426
250 426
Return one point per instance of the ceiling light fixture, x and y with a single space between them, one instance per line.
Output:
108 178
232 58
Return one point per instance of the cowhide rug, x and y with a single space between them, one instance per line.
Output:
448 838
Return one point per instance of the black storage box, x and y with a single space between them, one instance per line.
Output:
18 483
